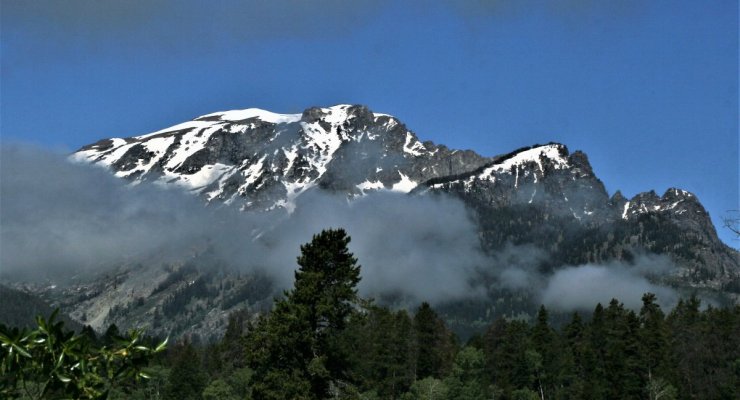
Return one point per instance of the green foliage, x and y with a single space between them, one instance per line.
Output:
704 350
616 354
187 378
219 390
466 382
293 351
321 341
436 345
659 389
524 394
50 361
150 389
653 336
428 388
381 347
505 348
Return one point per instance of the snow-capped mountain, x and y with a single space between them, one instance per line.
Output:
550 176
261 160
542 195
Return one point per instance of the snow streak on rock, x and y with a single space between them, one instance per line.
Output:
263 160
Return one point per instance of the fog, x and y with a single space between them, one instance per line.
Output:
582 287
59 219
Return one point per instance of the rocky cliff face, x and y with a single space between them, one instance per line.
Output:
261 160
542 195
550 197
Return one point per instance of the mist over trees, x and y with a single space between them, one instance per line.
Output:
322 340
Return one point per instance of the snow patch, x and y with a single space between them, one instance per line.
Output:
290 155
190 143
324 144
626 207
405 185
369 185
263 115
116 154
535 155
206 175
251 174
159 145
191 125
413 146
292 190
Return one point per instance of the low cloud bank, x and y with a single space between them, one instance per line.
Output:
582 287
59 219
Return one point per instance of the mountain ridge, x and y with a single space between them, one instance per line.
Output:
542 196
203 155
262 160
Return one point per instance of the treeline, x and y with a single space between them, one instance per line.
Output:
691 353
322 341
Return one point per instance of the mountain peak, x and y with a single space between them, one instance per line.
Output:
264 160
250 113
268 159
542 195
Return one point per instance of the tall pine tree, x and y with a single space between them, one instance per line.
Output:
436 345
294 351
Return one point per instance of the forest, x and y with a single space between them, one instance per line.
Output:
323 341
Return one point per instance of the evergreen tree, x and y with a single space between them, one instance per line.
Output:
653 336
622 358
687 349
435 344
466 381
219 390
187 380
593 357
427 389
294 351
382 348
635 376
722 343
572 373
493 341
231 349
506 364
545 342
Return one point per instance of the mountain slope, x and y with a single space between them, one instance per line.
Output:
261 160
550 197
541 196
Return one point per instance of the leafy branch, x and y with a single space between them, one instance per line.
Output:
49 361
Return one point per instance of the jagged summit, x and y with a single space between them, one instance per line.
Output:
265 160
261 160
542 196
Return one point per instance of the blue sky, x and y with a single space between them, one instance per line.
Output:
649 90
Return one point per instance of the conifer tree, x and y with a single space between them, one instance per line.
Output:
294 351
466 380
544 342
593 357
186 380
436 348
572 372
653 337
622 358
382 350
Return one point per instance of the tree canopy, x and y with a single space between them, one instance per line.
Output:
294 350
